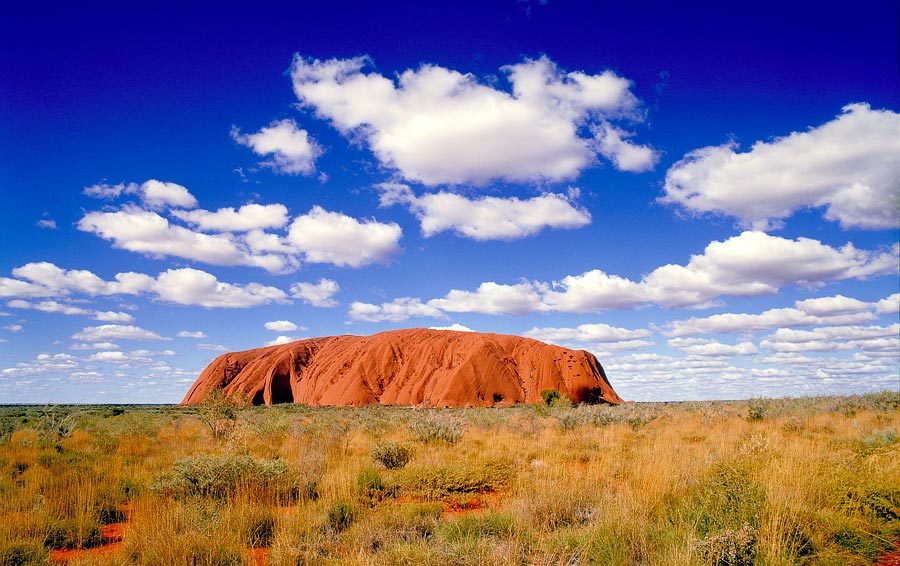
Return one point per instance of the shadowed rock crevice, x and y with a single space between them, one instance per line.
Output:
438 368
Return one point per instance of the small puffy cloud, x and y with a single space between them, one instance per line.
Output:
821 310
626 156
436 125
492 298
830 338
246 218
889 305
338 239
197 334
717 349
49 307
115 332
154 194
849 166
280 340
281 326
212 347
185 286
14 328
113 316
44 279
395 311
486 218
43 364
832 306
291 148
253 235
157 194
188 286
94 346
598 333
456 327
46 223
149 233
317 294
118 357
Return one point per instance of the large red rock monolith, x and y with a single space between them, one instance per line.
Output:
438 368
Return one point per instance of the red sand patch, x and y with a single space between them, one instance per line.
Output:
457 508
477 504
889 559
111 535
260 556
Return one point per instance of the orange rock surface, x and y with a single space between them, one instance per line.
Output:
438 368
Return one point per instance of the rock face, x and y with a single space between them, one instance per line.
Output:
439 368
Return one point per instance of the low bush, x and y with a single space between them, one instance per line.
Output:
373 487
225 476
553 398
68 533
732 547
22 553
468 527
757 409
259 530
340 516
437 427
391 455
472 477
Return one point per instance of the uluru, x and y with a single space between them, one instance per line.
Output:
436 368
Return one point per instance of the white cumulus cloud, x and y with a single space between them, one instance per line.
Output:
317 294
115 332
291 148
198 334
153 193
394 311
849 166
436 125
333 237
281 326
486 218
188 286
626 156
246 218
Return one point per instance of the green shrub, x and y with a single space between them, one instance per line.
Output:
220 412
372 486
550 396
468 527
472 477
223 476
859 542
757 409
437 427
554 510
260 529
391 455
21 553
67 533
340 516
731 547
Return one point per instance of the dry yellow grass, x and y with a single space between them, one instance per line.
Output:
808 481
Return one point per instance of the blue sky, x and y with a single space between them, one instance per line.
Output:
706 197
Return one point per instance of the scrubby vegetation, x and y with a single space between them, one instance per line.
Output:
766 481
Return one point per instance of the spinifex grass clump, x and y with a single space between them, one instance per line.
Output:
391 455
224 476
436 426
474 476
